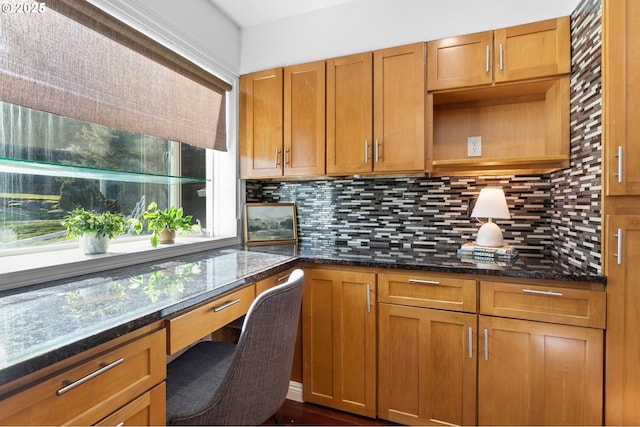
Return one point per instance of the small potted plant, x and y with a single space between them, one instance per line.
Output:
93 229
163 223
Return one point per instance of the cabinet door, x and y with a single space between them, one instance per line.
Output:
620 88
538 49
261 124
427 366
147 410
304 119
399 109
534 373
338 335
350 114
462 61
623 340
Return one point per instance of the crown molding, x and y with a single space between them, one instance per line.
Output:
149 23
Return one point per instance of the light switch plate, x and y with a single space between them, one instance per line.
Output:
474 146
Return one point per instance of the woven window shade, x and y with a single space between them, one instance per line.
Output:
74 60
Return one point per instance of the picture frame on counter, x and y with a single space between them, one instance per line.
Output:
270 223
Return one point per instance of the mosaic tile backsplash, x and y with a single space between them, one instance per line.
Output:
554 214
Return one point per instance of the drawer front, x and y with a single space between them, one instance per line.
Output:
578 307
428 291
271 281
147 410
189 327
92 390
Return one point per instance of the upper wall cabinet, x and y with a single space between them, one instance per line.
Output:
535 50
376 111
282 122
499 101
620 88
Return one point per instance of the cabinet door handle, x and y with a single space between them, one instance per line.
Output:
501 57
104 367
368 298
376 151
424 282
225 305
286 157
547 293
486 344
277 157
470 342
618 255
366 151
487 59
619 156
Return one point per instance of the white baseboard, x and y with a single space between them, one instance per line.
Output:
295 391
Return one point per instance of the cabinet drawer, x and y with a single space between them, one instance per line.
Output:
271 281
147 410
579 307
93 389
429 291
189 327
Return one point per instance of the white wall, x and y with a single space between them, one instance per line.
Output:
364 25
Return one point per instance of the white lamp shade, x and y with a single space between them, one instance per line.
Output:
491 203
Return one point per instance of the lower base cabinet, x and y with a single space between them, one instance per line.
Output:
535 373
426 366
339 336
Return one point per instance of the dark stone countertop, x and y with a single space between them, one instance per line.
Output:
42 325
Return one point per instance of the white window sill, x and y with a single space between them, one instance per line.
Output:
42 267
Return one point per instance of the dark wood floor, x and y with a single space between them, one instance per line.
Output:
296 413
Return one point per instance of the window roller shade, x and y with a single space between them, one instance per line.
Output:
74 60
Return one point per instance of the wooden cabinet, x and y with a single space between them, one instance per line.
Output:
620 86
143 411
516 100
529 51
427 356
119 380
282 122
376 111
339 340
622 234
261 111
534 372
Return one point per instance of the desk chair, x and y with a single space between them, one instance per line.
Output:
216 383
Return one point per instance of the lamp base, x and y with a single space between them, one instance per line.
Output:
489 235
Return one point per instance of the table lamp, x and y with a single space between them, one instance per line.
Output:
491 204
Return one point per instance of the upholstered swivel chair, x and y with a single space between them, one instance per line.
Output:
216 383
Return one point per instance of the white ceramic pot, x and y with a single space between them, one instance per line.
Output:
90 244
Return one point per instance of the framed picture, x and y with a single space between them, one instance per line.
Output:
270 223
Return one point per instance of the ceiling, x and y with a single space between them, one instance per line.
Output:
246 13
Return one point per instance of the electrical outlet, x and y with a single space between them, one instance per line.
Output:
474 146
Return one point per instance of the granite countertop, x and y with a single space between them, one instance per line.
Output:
40 326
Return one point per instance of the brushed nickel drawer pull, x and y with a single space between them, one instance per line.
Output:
487 59
486 344
104 367
376 151
470 342
425 282
547 293
225 305
277 157
619 156
366 151
501 58
368 298
285 277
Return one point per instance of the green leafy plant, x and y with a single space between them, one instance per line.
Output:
81 221
170 219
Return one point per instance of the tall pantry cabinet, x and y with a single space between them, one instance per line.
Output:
621 207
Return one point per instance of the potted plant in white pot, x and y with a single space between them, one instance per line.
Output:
163 223
94 230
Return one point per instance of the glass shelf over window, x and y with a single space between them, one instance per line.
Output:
31 167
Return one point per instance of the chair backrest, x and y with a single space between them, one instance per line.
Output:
257 381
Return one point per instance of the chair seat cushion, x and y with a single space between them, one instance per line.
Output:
193 375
